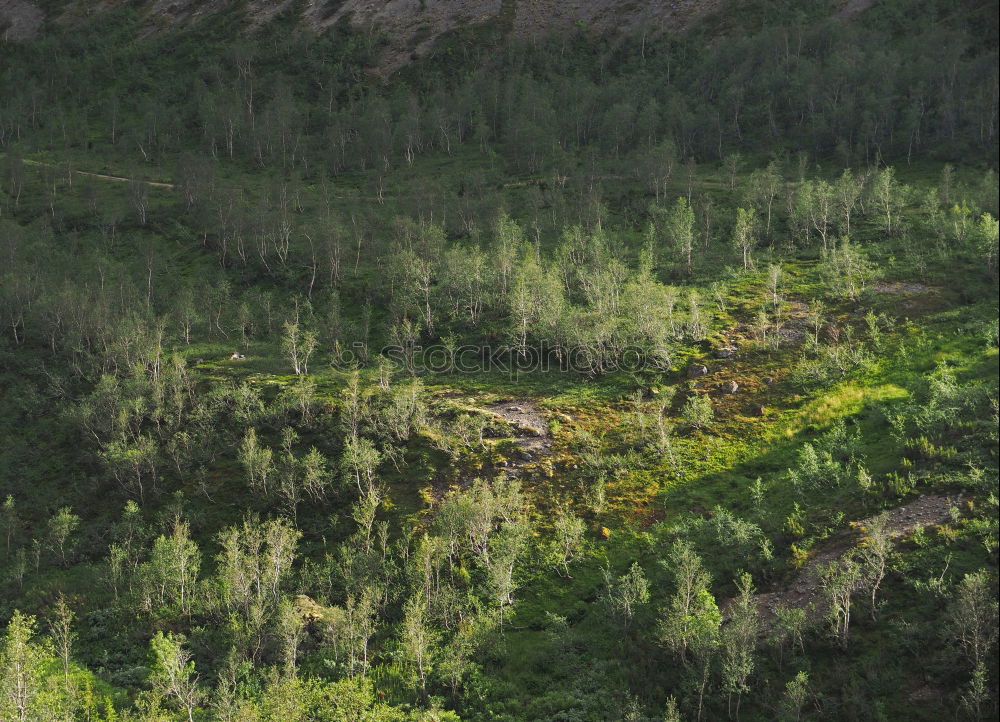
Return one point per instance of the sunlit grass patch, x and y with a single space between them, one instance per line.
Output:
845 399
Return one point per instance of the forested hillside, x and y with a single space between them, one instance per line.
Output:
636 375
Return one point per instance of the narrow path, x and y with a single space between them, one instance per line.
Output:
102 176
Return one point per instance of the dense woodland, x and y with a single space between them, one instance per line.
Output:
573 379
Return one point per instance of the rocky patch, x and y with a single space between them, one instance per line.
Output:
806 591
532 431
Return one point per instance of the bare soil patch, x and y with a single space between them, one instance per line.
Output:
19 19
902 288
806 590
530 426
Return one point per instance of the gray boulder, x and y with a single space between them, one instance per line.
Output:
729 387
696 370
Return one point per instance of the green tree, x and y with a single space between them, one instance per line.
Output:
847 192
732 163
821 209
846 270
172 569
680 230
63 634
795 698
22 671
840 580
9 520
887 197
569 529
61 527
173 673
359 462
873 556
971 625
697 411
739 641
680 621
257 461
763 187
626 595
988 241
299 345
745 234
290 627
419 638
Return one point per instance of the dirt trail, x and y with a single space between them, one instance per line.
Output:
806 591
120 179
102 176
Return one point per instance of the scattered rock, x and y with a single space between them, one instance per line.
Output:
729 387
516 410
724 352
696 370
